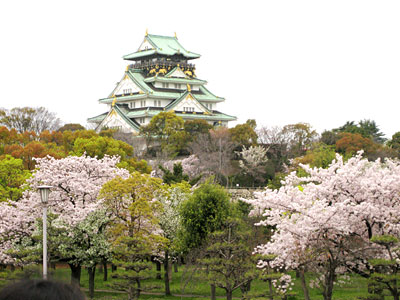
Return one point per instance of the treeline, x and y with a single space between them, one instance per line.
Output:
247 156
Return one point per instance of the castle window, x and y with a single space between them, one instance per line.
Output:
188 109
132 104
143 103
157 103
177 85
141 120
165 85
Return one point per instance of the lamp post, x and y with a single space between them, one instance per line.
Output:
44 196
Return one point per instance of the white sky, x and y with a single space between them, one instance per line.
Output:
279 62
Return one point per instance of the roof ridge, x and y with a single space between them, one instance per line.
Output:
162 36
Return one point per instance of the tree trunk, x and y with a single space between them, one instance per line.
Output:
170 270
105 274
213 293
131 295
91 272
329 279
139 289
158 267
101 269
245 287
176 267
75 274
228 295
113 268
166 274
304 284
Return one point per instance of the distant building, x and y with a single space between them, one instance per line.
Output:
161 78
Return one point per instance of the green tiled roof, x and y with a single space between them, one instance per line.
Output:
142 82
175 80
184 95
164 45
146 112
138 78
97 119
123 98
122 113
214 116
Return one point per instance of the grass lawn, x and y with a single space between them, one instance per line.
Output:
197 287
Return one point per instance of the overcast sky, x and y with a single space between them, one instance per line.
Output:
279 62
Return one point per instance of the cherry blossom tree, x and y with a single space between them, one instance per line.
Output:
171 223
325 221
253 162
76 182
191 166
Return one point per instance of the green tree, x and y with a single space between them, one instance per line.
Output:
229 258
167 129
366 128
12 176
134 228
133 164
244 135
300 137
99 146
329 137
387 269
177 175
371 129
71 127
320 156
203 213
394 143
196 127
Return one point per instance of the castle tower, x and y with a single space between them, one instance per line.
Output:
161 77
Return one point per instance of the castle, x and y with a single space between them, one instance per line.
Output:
161 77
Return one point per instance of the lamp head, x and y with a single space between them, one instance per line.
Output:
44 192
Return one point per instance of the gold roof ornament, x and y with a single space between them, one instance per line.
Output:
175 35
114 101
147 32
188 87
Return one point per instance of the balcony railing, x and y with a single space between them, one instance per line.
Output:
161 63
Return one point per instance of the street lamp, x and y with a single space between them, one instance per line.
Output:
44 196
